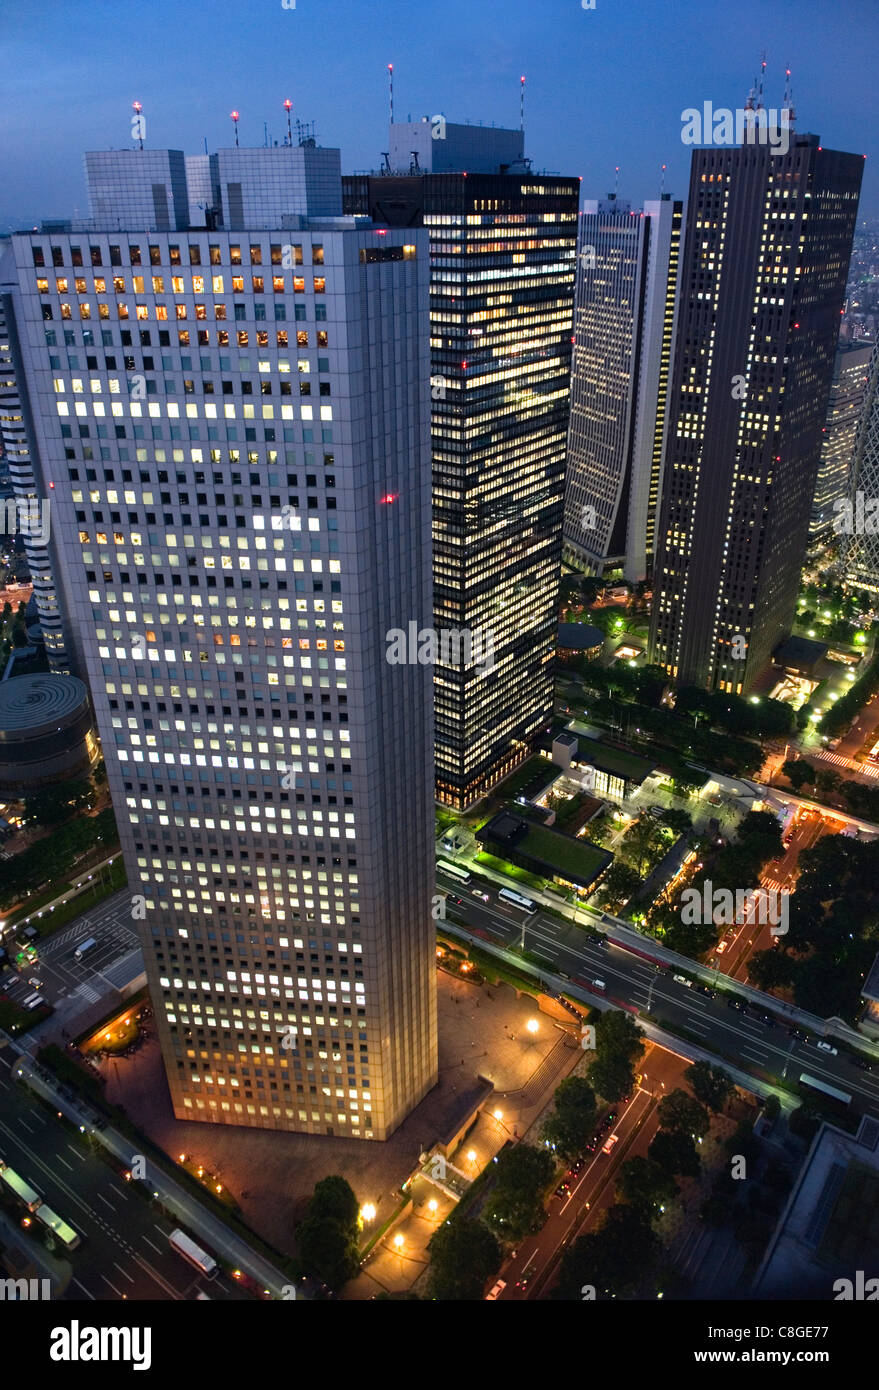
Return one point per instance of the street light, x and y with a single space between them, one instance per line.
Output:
532 1025
399 1242
367 1212
432 1205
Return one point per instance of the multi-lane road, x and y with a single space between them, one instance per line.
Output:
124 1253
66 983
753 1038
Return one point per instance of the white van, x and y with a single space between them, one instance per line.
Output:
599 985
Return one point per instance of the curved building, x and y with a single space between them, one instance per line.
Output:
45 731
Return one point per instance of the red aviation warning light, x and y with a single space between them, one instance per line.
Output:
388 498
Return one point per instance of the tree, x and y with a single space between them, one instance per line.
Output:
327 1250
678 1111
642 1183
618 884
826 780
678 820
712 1085
570 1125
615 1260
675 1152
463 1256
798 772
618 1046
516 1204
327 1238
334 1198
771 969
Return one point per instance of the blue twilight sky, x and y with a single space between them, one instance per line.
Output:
605 86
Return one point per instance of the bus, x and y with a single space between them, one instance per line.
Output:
22 1190
83 947
822 1086
203 1262
66 1234
516 900
453 871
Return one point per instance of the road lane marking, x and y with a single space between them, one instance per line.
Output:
123 1273
84 1289
151 1245
116 1291
103 1199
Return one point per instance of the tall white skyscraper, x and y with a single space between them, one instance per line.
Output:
623 324
234 425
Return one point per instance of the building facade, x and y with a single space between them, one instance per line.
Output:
766 250
851 372
858 524
502 249
627 268
236 425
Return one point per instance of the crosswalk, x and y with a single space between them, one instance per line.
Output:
839 760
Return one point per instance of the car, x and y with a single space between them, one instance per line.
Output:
863 1064
614 1139
496 1290
477 893
563 1189
733 1003
452 899
794 1033
682 980
37 984
768 1020
827 1047
706 989
721 947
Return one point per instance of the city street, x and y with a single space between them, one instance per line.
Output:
593 1189
755 1039
124 1252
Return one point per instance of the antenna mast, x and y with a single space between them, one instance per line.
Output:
789 98
234 118
391 90
522 103
288 107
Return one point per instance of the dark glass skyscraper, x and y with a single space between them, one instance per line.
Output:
766 250
502 250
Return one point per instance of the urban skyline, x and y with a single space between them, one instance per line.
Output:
439 670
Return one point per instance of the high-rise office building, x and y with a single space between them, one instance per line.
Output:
851 372
766 249
502 250
33 498
627 268
858 525
235 425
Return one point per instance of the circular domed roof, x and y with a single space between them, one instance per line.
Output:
31 703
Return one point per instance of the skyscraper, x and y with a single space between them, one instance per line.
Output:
32 496
623 320
502 248
766 249
235 424
851 372
859 530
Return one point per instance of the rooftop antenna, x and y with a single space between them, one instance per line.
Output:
288 107
789 98
234 117
762 77
522 103
138 123
616 184
386 161
662 180
391 91
265 134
